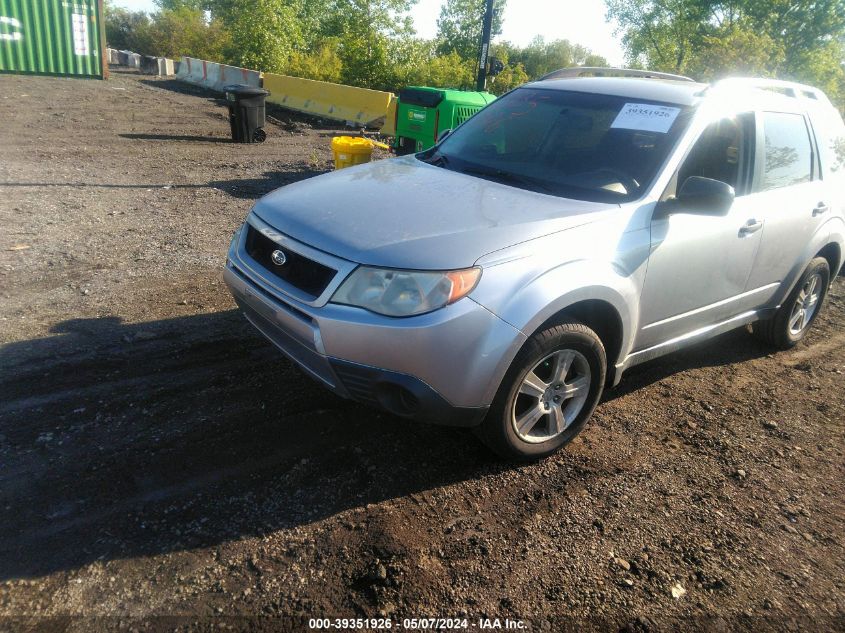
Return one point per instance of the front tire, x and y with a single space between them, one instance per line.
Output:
794 318
548 394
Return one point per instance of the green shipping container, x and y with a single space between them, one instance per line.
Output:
52 37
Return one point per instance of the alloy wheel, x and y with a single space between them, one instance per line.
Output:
551 396
806 304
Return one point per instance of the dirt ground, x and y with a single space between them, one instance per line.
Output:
159 458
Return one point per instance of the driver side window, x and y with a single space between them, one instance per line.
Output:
723 152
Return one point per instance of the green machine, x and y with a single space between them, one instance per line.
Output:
422 114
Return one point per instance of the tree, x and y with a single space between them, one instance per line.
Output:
540 57
792 39
736 50
512 76
367 29
659 34
264 33
186 31
176 5
323 63
126 30
459 26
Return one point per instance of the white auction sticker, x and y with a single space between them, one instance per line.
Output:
645 117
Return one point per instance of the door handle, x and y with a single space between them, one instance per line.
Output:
821 209
752 226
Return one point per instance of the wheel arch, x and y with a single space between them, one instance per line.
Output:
600 316
833 254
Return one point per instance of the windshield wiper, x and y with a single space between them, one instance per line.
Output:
505 177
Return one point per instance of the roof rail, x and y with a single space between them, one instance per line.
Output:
786 88
580 71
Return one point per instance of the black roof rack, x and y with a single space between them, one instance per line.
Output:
596 71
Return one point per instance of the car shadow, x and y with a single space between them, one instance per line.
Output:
732 347
251 188
247 188
122 440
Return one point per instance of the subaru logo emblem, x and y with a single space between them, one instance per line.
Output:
279 258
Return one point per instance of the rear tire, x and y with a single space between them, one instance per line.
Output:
548 394
794 318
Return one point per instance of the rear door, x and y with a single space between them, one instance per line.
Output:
789 198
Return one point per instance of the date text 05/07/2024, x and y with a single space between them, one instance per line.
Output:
417 624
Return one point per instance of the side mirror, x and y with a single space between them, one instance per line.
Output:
700 196
443 135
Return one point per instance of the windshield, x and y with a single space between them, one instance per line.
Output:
585 146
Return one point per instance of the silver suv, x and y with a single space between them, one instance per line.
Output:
575 227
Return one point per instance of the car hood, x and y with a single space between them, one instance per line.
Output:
404 213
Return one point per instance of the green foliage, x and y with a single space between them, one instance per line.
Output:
369 43
735 50
450 71
541 57
367 31
126 30
322 63
791 39
459 26
176 5
185 31
514 74
264 33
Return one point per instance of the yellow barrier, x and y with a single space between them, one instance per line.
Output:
332 101
389 127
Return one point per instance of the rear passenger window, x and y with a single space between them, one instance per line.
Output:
789 155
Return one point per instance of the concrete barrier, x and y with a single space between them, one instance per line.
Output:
128 58
149 65
332 101
183 71
215 76
233 75
113 56
165 67
212 75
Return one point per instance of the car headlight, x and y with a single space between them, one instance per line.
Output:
400 293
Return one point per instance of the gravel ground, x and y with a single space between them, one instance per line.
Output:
159 458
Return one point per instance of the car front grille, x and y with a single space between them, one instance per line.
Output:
299 271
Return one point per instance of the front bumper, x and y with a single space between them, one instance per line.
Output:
442 367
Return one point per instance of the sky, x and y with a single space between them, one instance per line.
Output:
523 19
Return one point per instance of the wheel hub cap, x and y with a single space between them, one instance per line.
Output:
551 396
806 304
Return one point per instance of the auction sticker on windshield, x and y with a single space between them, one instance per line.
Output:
646 117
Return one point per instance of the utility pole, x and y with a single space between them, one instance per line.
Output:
486 32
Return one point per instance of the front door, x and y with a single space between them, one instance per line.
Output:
699 265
